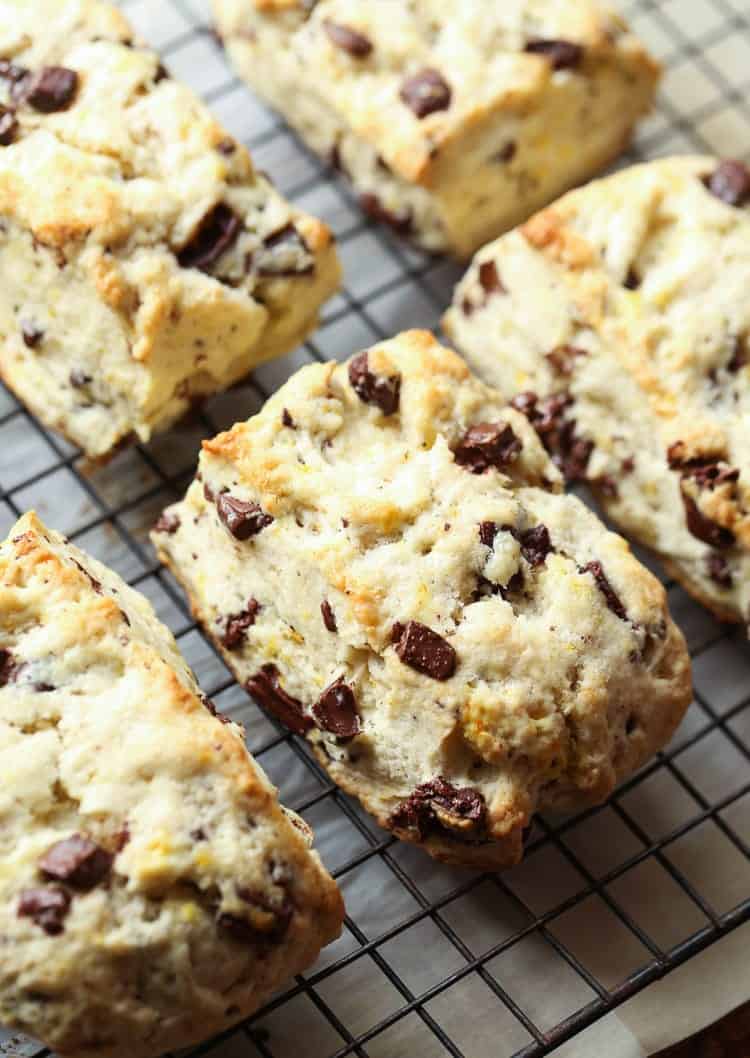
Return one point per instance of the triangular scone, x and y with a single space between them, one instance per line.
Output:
152 890
386 561
146 263
619 320
452 119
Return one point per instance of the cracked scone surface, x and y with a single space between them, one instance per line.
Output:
386 561
619 320
454 119
152 889
146 263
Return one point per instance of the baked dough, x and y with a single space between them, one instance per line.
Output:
385 560
146 264
152 890
618 319
453 119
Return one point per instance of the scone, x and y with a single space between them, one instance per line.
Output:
453 119
145 263
152 890
619 322
386 562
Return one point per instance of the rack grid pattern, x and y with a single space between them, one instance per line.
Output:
436 961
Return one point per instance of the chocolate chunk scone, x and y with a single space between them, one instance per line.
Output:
384 558
145 263
152 890
453 119
619 322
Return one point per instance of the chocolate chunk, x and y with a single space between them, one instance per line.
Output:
122 837
286 254
401 222
515 584
8 667
243 518
8 126
210 706
168 523
557 432
287 420
426 92
487 533
47 906
382 390
703 528
349 40
329 617
53 88
162 74
610 595
730 182
563 359
536 545
739 356
506 153
424 650
437 806
79 379
489 279
710 473
268 924
632 280
561 54
237 625
719 571
336 710
31 334
266 689
227 147
77 860
487 444
216 233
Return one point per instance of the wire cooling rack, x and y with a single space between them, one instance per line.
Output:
435 960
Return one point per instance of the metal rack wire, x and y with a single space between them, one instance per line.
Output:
395 982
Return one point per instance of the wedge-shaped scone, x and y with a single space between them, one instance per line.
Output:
453 119
620 322
145 263
152 890
385 560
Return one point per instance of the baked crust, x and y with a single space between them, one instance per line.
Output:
199 895
408 588
511 124
627 298
152 263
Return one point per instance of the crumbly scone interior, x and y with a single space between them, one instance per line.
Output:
145 258
568 668
201 893
645 333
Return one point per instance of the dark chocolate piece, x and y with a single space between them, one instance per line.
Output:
382 390
426 92
265 687
336 710
78 861
439 806
425 651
